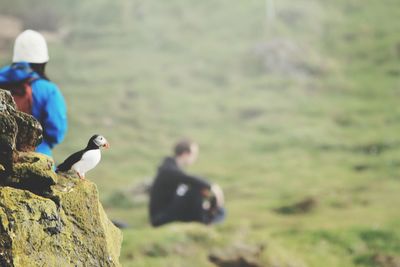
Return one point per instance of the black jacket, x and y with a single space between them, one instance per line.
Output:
168 178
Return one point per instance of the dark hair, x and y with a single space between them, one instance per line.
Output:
40 68
183 146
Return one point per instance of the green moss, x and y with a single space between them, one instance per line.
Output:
46 219
33 172
42 233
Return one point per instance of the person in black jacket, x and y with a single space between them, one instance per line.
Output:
178 196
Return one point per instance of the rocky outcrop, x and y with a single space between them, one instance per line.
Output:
18 132
46 219
239 255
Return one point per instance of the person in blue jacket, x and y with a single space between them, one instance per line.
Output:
48 105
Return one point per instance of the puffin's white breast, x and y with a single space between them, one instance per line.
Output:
88 161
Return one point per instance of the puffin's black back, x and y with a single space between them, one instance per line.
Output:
77 156
71 160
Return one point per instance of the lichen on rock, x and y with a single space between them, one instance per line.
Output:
18 132
29 132
46 219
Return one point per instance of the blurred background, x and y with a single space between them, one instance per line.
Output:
294 105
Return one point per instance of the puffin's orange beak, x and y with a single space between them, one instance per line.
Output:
106 145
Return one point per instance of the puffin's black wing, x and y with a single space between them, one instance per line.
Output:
71 160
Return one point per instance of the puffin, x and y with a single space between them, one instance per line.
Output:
85 159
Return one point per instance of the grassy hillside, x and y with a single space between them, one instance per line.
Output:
302 105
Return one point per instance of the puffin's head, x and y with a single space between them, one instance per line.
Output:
98 141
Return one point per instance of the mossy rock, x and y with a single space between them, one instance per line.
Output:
8 129
53 220
33 172
7 104
46 219
29 134
35 231
25 130
239 255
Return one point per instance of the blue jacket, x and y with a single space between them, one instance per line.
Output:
50 110
48 104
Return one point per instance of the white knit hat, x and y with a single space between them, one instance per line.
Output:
30 46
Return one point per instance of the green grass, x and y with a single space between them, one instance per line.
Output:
148 73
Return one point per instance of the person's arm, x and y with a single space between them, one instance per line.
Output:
219 194
196 181
55 119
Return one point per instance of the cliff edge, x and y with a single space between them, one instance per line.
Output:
46 219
